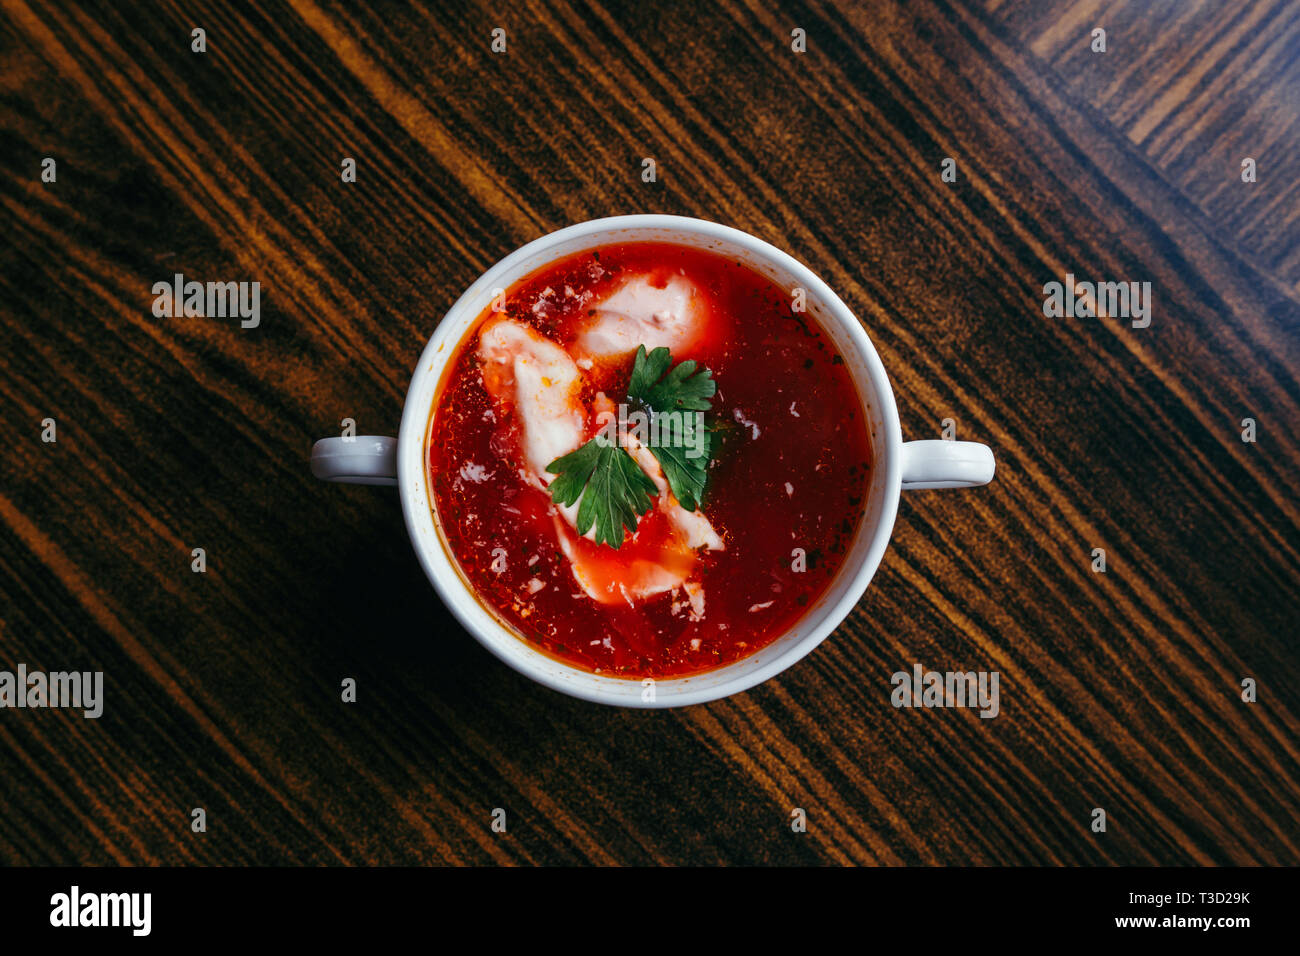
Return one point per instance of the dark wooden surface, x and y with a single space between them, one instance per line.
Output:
1120 690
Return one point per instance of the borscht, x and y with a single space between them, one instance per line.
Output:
647 460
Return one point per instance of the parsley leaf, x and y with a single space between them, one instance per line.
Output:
679 436
613 488
683 444
683 388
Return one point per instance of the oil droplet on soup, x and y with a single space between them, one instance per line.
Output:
689 591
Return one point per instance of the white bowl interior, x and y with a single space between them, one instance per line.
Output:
859 564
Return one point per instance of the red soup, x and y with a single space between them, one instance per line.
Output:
646 462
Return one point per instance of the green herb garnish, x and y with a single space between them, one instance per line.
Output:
686 387
684 444
613 488
616 489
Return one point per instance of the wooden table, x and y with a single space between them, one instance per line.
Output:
1120 690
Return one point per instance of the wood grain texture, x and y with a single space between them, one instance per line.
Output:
1119 690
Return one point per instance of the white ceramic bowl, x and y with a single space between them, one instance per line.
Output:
896 464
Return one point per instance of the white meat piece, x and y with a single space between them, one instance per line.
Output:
542 382
640 313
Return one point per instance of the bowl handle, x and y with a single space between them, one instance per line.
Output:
356 460
946 464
